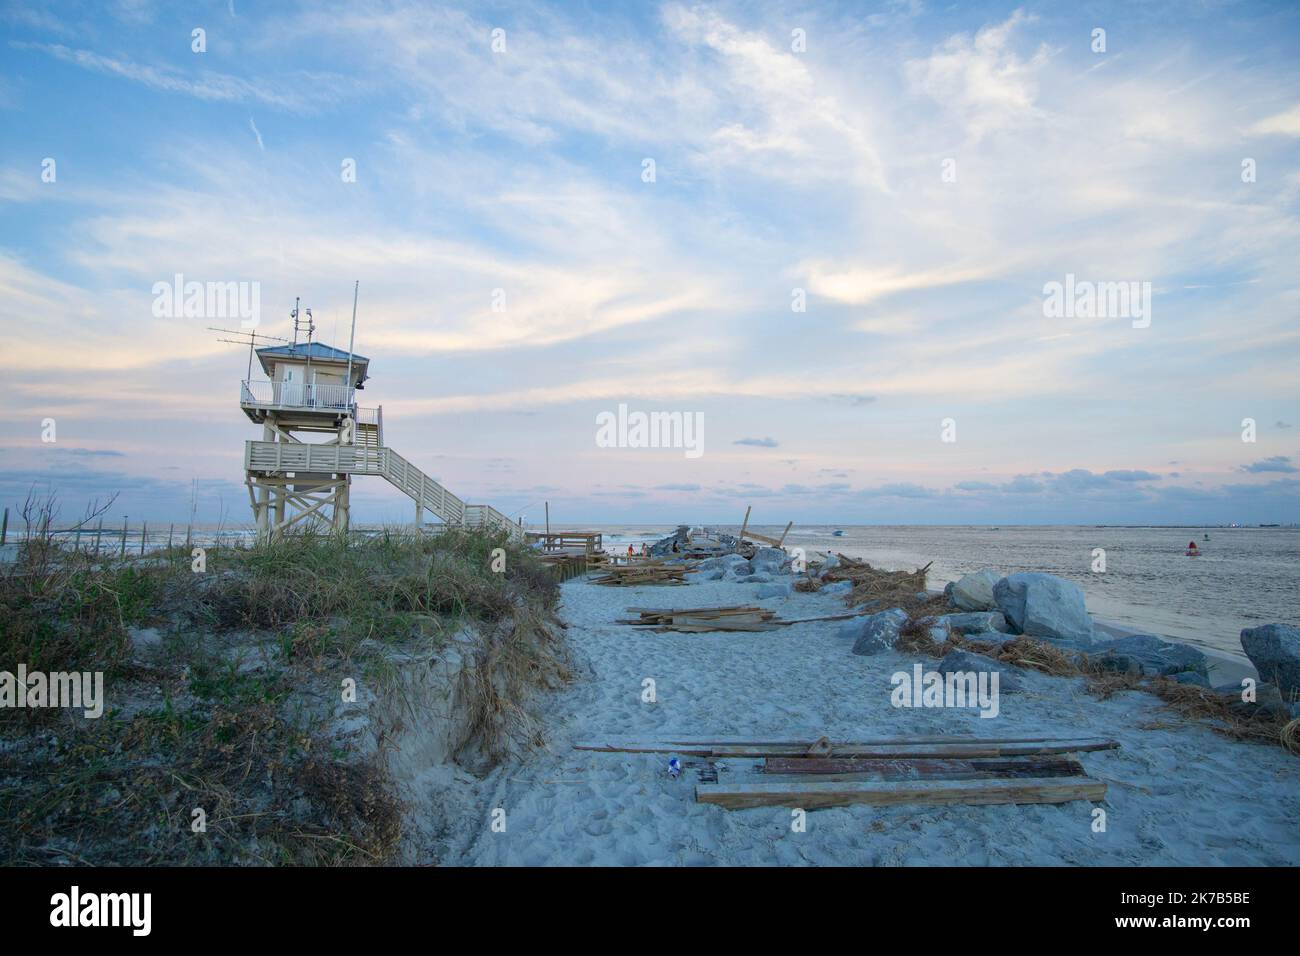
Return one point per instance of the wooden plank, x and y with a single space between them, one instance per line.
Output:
912 769
870 750
813 794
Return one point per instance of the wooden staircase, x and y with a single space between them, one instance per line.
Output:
368 456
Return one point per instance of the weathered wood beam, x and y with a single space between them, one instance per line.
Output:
878 749
814 795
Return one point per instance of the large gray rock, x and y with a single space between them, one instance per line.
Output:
975 622
875 632
966 662
769 560
781 589
727 564
1044 606
974 592
838 587
1274 649
1149 655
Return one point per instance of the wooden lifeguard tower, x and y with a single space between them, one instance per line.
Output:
315 438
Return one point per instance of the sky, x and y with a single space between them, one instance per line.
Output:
825 232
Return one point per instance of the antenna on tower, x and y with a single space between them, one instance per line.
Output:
251 338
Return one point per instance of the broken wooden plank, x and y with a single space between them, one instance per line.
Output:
953 747
815 794
919 768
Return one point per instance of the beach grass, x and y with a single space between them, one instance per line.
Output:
226 715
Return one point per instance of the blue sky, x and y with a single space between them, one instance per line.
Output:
776 170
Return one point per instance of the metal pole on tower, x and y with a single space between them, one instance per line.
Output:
352 339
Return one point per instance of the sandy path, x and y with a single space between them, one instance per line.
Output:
1179 794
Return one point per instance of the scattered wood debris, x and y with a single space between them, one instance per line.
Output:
695 620
648 573
818 772
741 617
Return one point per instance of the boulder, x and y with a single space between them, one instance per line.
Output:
875 632
966 661
974 592
770 560
975 622
1274 649
754 579
1045 606
839 587
1149 655
781 589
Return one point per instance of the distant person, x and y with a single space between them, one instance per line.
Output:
675 548
1191 545
630 552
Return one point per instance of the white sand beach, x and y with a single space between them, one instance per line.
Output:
1179 793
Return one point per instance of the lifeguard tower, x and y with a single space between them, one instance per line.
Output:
315 438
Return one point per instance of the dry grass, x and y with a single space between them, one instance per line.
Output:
523 653
886 589
242 744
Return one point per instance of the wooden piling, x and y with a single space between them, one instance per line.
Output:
4 528
98 533
122 552
144 534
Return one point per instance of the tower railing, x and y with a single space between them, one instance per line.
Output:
295 395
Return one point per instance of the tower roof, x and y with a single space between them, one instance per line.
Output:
316 352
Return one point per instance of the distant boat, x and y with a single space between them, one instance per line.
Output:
837 534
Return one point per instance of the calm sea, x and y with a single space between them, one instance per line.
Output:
1243 578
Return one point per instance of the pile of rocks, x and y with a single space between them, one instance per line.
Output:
765 568
992 609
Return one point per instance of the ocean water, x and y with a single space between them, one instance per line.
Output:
1244 577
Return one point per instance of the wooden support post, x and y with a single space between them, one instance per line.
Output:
781 543
171 530
99 531
4 528
76 544
144 534
188 529
744 524
122 552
